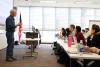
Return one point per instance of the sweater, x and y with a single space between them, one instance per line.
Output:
79 37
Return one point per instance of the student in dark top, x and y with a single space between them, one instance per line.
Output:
92 34
63 33
94 44
37 31
79 35
67 32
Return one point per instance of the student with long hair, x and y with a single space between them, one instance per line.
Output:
63 33
79 35
67 32
94 44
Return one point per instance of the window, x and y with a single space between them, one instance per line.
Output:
75 16
36 17
48 36
24 11
97 14
87 14
61 18
49 18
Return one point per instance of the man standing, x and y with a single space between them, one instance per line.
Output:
10 29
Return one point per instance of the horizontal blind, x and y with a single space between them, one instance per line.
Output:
75 16
87 14
97 14
36 17
61 18
25 16
49 18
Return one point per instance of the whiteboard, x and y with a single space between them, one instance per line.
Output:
91 22
5 7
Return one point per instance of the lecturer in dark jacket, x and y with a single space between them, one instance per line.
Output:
10 29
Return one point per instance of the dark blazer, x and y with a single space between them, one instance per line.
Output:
95 41
10 24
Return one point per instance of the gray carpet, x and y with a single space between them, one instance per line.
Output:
44 57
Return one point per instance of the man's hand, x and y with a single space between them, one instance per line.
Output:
19 24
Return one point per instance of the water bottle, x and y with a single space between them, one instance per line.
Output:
80 48
69 41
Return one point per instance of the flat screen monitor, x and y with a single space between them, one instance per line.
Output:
33 29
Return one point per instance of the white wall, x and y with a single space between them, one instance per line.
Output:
3 41
5 7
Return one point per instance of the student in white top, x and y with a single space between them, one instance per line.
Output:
87 32
84 34
72 27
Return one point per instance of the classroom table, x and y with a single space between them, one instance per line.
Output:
32 40
73 48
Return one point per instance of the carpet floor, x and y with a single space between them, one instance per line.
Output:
44 57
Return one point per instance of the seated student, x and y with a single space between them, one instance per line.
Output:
72 27
79 35
87 31
94 44
37 31
63 33
83 32
67 32
91 35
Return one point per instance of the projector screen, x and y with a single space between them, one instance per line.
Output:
5 7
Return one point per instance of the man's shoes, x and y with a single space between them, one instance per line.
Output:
13 58
10 60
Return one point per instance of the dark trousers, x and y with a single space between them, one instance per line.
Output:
10 42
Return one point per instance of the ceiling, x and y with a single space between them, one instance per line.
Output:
60 3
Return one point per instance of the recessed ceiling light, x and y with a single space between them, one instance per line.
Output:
83 2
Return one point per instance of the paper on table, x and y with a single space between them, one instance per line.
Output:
72 52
